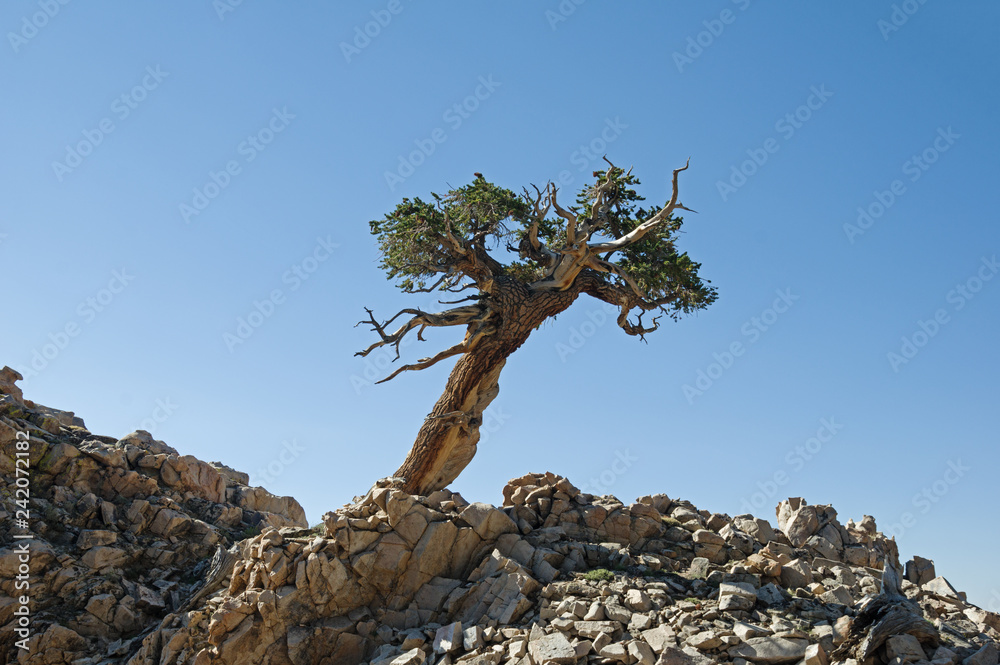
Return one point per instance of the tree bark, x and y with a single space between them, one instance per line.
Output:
448 439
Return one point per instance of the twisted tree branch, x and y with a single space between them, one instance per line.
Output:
452 317
640 231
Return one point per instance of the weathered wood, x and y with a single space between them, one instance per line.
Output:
448 439
888 614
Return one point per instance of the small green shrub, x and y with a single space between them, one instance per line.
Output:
248 532
599 575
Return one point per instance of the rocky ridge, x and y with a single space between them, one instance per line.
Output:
553 575
123 530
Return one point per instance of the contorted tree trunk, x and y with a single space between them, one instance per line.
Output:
559 260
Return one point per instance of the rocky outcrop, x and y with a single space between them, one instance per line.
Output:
121 530
553 575
559 576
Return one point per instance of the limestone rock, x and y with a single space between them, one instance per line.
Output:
906 648
488 522
277 510
941 587
8 379
92 538
770 650
919 570
987 655
737 596
103 557
815 655
449 638
797 520
552 648
796 574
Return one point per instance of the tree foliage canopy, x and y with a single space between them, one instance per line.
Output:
531 238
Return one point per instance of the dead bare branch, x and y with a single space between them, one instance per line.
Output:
565 214
479 328
451 317
662 216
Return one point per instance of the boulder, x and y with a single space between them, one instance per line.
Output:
93 538
739 596
906 648
919 570
488 522
797 520
552 648
770 650
103 557
987 655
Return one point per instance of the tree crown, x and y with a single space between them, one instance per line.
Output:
477 232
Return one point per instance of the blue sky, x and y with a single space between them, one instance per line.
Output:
172 169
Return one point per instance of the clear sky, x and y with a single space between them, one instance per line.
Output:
183 228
